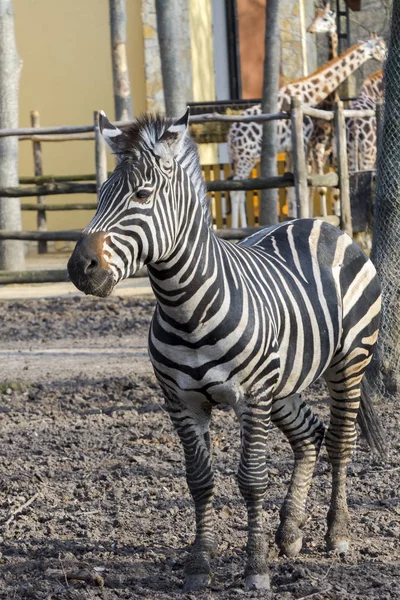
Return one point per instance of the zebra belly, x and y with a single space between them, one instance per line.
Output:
221 384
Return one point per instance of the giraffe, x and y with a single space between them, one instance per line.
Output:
325 21
320 142
244 139
361 140
361 133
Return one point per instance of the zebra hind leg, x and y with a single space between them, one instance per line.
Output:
305 434
344 382
252 479
195 438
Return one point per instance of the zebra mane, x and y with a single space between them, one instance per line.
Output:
146 132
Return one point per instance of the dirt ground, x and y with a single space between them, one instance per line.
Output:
93 497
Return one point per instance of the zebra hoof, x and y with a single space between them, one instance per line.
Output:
340 547
289 539
257 582
197 581
293 549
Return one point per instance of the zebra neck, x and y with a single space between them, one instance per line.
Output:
182 283
190 163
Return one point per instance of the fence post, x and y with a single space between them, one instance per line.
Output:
378 112
299 159
343 172
38 167
100 154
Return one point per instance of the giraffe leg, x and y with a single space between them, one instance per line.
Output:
236 201
242 208
243 169
305 434
195 438
252 479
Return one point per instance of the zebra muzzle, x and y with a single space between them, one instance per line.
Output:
87 267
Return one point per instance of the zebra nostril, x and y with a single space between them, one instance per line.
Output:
91 266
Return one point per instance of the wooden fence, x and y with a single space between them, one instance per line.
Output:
299 179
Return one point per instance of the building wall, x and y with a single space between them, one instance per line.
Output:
154 83
201 40
296 16
66 74
251 15
374 16
197 58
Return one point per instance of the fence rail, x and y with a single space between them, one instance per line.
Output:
328 115
49 185
29 132
72 235
60 275
282 181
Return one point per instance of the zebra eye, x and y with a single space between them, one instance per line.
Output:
142 195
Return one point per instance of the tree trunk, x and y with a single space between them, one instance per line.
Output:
11 252
169 41
122 89
386 235
269 199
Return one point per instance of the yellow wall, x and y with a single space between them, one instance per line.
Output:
201 39
66 74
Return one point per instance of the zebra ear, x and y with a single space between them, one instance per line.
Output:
114 137
171 142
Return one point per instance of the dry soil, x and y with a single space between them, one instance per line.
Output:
93 497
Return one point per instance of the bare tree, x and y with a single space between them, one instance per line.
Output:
122 89
11 251
168 19
268 204
386 235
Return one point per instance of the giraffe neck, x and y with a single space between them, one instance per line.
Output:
334 44
373 87
316 87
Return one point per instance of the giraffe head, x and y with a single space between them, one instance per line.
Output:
325 20
376 48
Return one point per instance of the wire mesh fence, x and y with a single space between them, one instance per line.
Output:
386 236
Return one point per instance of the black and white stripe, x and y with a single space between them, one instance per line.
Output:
249 325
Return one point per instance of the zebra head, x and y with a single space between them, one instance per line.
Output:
139 212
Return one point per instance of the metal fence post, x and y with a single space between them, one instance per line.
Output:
100 154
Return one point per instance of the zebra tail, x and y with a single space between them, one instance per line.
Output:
368 419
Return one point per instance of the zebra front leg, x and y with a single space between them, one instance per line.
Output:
252 478
195 438
305 434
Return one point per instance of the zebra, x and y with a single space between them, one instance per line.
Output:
248 325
